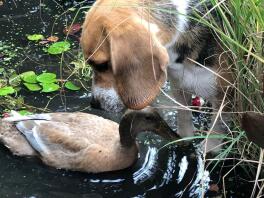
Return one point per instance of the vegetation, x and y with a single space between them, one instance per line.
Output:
241 33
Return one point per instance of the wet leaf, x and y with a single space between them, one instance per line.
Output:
49 87
27 73
35 37
47 78
29 77
32 87
6 91
59 47
69 85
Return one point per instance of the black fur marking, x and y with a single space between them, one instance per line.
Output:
182 51
207 53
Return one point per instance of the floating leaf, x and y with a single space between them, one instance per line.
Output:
71 86
6 90
32 87
35 37
49 87
29 77
47 78
59 47
27 73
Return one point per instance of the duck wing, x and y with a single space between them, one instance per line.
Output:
65 140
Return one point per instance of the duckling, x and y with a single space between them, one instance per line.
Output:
81 141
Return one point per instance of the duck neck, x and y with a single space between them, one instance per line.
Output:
127 131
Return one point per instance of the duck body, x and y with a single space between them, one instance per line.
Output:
80 141
76 141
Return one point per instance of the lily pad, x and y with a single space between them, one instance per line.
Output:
59 47
49 87
35 37
32 87
7 90
47 78
69 85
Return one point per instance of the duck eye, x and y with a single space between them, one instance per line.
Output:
100 67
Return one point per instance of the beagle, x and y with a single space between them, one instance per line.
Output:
133 45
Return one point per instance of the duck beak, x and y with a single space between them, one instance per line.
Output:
166 132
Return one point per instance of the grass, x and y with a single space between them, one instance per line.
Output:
241 33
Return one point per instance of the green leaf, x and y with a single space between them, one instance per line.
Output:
59 47
27 73
32 87
49 87
6 90
29 77
47 78
24 112
35 37
69 85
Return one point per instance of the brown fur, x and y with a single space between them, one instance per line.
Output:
131 60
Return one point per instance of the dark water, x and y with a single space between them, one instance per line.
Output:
173 171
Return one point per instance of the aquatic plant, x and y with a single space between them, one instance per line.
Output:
59 47
35 37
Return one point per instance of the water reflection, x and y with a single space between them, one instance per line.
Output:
169 172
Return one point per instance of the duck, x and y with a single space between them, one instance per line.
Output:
81 141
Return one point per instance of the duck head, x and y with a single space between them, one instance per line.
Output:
148 119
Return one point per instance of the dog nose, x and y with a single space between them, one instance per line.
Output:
95 103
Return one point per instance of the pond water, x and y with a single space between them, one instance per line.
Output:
172 171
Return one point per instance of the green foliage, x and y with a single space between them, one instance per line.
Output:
49 87
29 77
32 87
35 37
24 112
59 47
69 85
6 90
46 78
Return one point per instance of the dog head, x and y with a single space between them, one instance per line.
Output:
129 61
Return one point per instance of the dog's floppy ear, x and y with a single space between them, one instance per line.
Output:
139 66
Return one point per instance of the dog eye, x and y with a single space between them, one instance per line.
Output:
101 67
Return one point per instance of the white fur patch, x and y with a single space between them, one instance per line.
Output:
151 27
108 98
193 79
181 6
